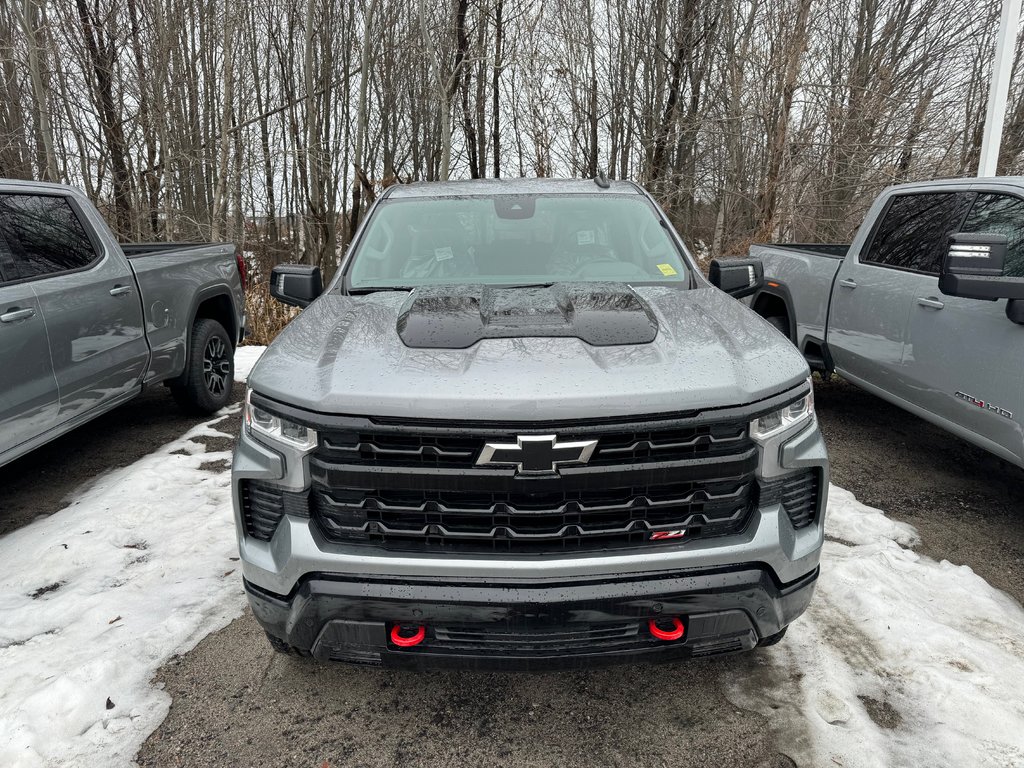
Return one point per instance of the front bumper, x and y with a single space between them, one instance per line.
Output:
341 601
297 550
531 625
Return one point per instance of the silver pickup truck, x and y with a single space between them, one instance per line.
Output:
521 429
86 324
924 309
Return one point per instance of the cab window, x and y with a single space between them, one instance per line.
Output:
43 235
1000 215
913 232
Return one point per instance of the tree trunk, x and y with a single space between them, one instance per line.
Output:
102 57
29 18
495 81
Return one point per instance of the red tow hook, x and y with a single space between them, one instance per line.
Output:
676 632
405 640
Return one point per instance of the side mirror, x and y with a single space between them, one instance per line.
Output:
737 277
973 268
296 284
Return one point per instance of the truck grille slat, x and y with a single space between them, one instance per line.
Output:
440 449
388 486
585 637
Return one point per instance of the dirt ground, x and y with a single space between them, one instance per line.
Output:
237 703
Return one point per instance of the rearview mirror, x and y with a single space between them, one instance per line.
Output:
737 277
973 268
296 284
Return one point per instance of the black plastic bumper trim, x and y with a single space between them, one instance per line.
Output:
346 618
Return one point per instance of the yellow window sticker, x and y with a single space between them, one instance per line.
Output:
666 269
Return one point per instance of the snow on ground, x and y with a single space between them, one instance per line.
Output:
900 660
245 359
95 598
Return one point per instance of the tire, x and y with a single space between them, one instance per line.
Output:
205 386
772 639
780 324
279 645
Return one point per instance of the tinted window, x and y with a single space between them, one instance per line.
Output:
915 228
7 270
515 239
43 235
1001 215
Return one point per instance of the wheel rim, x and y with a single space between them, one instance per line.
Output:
216 366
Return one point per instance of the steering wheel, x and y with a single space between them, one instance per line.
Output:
597 258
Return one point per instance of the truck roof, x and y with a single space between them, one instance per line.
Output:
21 185
489 187
1015 181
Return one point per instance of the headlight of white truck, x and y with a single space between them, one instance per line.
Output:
277 429
774 423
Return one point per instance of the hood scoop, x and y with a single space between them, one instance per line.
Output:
601 314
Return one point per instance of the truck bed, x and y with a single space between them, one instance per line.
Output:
831 250
173 278
807 271
136 250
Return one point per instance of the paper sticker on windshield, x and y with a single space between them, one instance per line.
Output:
666 269
443 254
585 237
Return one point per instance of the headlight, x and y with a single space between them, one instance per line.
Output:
779 421
262 422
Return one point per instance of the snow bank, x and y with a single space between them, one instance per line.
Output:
900 660
245 359
97 596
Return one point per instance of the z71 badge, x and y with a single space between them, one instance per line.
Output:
982 404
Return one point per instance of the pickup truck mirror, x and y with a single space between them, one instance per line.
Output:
973 268
737 277
296 284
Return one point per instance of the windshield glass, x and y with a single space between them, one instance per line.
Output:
515 240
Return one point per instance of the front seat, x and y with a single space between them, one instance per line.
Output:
578 247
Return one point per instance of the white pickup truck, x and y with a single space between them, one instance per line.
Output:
925 308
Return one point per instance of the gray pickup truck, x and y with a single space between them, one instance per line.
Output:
521 429
86 324
925 308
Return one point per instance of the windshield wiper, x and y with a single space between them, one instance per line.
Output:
378 289
525 285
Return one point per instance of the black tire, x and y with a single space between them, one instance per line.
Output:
205 386
772 639
279 645
780 324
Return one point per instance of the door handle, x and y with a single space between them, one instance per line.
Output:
933 303
17 314
120 290
848 283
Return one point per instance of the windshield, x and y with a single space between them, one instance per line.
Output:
515 240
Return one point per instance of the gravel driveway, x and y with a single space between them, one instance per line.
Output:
237 703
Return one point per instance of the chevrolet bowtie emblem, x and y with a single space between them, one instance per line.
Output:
536 454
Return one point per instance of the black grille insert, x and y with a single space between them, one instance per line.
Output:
798 495
534 522
416 487
265 505
584 637
438 448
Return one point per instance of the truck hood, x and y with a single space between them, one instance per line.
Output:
345 355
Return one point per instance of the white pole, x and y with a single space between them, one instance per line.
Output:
999 87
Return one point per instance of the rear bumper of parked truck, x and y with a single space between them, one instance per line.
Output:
531 625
